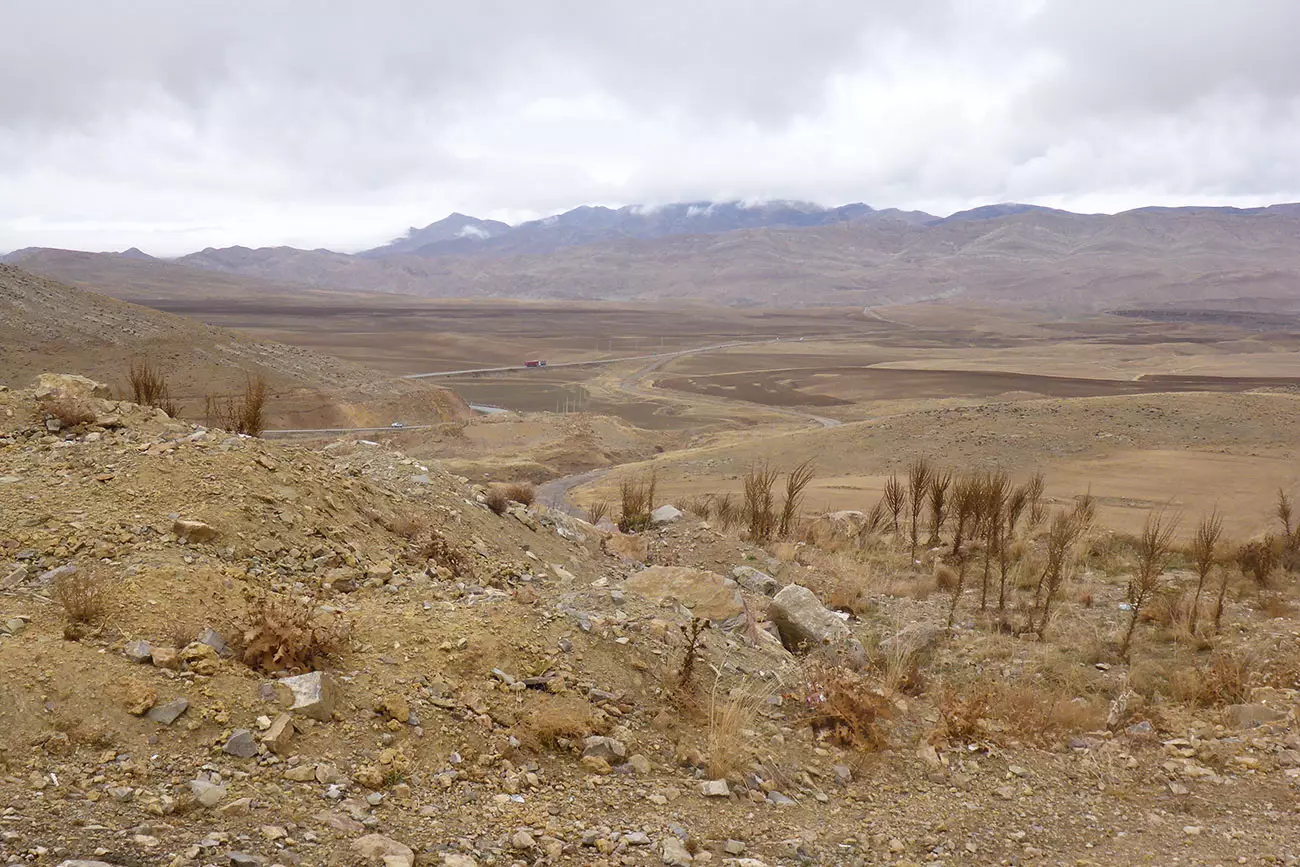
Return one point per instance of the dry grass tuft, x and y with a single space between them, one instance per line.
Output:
1038 713
559 722
283 632
730 741
522 493
84 595
496 500
149 387
433 546
597 512
1225 679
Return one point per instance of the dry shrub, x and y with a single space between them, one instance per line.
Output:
70 411
636 500
149 387
945 577
521 492
1258 559
842 705
1275 605
283 632
700 507
83 595
796 481
557 722
245 414
409 526
726 512
1038 713
1223 680
496 500
433 546
730 742
181 633
597 511
758 512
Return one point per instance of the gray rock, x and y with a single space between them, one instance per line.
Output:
139 651
780 800
917 639
240 744
601 747
377 848
76 863
313 695
803 622
48 578
207 793
213 639
673 852
665 514
69 385
1249 716
14 626
16 576
168 713
755 581
243 859
715 789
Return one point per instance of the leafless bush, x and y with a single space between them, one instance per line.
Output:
919 475
726 512
795 483
433 546
245 414
1154 547
1258 559
149 387
940 482
842 705
560 721
1062 537
894 498
637 498
597 511
70 411
521 492
83 594
496 500
700 507
1225 679
1204 551
283 632
759 509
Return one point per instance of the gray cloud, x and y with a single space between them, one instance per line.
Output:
178 125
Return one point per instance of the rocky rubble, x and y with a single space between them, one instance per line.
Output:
507 705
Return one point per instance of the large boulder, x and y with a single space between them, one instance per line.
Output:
706 594
805 625
918 639
69 385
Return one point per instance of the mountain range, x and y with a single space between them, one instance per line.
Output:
771 254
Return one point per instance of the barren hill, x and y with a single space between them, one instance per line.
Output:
45 324
1215 258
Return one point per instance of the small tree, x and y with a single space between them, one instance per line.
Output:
919 475
1204 551
895 497
1153 550
939 484
795 482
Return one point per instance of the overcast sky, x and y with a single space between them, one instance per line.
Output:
177 125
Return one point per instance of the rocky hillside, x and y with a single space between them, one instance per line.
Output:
215 650
44 323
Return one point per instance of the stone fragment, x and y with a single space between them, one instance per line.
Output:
665 514
168 712
166 657
207 793
194 531
312 695
715 789
600 747
138 651
706 594
241 744
755 581
138 697
279 737
379 849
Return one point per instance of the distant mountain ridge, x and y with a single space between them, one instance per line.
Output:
777 254
461 235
